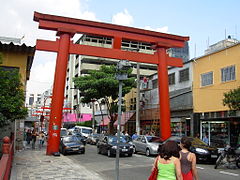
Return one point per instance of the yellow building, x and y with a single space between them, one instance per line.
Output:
213 75
18 56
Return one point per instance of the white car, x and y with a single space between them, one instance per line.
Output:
147 144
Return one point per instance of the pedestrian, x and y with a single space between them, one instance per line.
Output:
167 164
41 139
34 138
187 160
29 136
126 133
205 139
134 136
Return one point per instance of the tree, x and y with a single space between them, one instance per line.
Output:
102 85
11 97
232 99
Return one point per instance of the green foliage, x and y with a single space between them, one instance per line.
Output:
86 123
232 99
11 97
102 85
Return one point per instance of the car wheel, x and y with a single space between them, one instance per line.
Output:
238 163
109 153
130 155
83 152
148 152
98 150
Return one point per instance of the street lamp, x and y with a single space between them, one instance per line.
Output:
122 67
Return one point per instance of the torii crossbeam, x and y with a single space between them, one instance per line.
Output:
67 27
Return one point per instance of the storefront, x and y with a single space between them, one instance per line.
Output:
221 132
180 126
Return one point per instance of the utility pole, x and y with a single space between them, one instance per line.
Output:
138 100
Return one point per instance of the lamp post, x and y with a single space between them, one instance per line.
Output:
121 75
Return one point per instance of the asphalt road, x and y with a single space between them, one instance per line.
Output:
138 167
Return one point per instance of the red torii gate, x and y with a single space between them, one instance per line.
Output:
67 27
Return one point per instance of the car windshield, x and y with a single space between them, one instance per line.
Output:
113 139
153 139
87 131
127 138
196 141
70 139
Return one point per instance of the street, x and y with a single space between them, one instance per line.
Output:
139 166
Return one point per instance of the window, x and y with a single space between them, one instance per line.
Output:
207 79
155 83
228 73
171 79
184 75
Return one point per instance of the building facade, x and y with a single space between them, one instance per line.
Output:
213 75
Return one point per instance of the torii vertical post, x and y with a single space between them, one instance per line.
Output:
163 94
58 94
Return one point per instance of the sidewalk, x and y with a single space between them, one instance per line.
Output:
31 164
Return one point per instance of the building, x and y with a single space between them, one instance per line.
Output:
181 105
16 56
214 74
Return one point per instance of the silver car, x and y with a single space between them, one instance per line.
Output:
147 144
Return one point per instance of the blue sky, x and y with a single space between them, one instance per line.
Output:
204 21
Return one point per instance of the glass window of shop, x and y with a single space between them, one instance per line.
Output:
180 127
217 132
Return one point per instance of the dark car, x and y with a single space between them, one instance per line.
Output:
71 144
82 138
203 151
93 138
108 145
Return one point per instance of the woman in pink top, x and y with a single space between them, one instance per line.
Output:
188 160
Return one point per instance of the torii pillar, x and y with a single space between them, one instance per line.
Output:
67 27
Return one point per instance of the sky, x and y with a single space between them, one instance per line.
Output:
205 22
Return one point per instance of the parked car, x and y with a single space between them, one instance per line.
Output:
203 151
147 144
108 145
70 144
93 138
81 138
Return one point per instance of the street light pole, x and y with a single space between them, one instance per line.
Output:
118 127
122 68
138 99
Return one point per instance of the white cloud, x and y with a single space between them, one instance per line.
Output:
122 18
17 20
161 29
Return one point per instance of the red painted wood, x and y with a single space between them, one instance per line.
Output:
163 91
39 17
58 95
66 27
108 53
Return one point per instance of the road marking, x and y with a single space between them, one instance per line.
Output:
199 167
228 173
